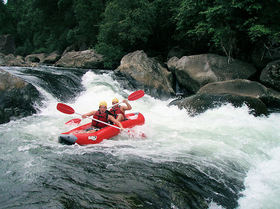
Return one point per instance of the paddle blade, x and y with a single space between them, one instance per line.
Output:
65 108
136 95
73 121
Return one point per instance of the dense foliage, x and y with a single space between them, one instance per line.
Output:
115 27
5 20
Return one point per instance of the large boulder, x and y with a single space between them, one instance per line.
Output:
270 75
237 92
142 72
51 59
199 103
35 58
16 97
81 59
193 72
7 44
11 60
42 58
246 88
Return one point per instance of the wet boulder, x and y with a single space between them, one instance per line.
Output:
51 58
17 97
35 59
141 72
81 59
200 103
11 60
242 87
237 92
270 75
193 72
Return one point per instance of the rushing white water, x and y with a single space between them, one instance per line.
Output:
229 140
219 135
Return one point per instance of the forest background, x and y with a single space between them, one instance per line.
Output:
234 28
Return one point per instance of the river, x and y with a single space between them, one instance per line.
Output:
223 158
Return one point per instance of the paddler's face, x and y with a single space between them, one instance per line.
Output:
102 108
114 103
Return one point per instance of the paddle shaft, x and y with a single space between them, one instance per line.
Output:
100 121
114 105
134 96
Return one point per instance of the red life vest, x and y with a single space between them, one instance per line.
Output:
117 110
100 116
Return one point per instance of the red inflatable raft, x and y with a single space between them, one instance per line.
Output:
79 136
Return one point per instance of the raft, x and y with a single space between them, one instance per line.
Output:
79 136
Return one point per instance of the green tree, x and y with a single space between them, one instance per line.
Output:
126 26
191 28
231 27
163 28
45 26
88 16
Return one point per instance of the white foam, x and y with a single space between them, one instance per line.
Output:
262 183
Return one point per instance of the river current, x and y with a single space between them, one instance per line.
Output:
223 158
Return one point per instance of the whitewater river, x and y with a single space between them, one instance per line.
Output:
223 158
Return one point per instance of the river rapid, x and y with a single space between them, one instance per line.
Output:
223 158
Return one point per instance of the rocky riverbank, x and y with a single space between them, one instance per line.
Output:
203 81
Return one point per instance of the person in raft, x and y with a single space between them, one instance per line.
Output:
101 114
118 111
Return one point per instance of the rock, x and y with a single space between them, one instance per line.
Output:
193 72
51 58
7 44
246 88
142 72
31 60
199 103
11 60
172 62
16 97
270 75
237 92
81 59
35 58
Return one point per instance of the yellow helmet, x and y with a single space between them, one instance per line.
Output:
102 103
115 100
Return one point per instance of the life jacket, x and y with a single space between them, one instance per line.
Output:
100 116
117 110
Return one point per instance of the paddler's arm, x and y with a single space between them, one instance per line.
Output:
128 106
111 118
89 114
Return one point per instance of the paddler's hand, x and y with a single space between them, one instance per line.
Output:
84 116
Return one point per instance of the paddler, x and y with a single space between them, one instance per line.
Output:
118 111
101 114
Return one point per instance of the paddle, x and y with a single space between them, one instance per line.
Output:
132 97
69 110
